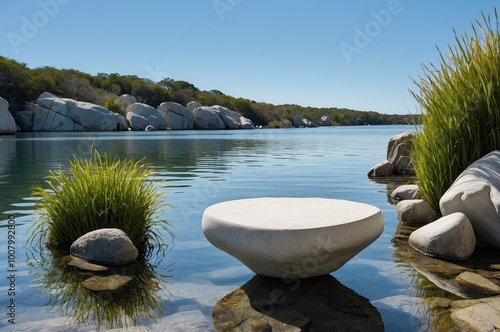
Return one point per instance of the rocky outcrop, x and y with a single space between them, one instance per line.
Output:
106 245
246 123
7 122
52 113
300 122
176 116
415 212
450 237
398 155
476 193
218 117
141 116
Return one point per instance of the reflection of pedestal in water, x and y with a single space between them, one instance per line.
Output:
316 304
292 237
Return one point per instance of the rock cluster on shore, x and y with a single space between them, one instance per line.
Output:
56 114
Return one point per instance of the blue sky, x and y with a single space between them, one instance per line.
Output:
340 53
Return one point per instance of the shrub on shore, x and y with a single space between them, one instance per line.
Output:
95 193
460 101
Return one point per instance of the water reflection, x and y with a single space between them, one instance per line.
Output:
138 303
316 304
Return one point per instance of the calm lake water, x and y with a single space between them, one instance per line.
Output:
198 169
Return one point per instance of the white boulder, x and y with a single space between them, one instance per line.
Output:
406 191
476 193
63 114
127 100
152 116
106 245
192 105
450 237
177 116
7 122
292 237
207 117
415 212
246 123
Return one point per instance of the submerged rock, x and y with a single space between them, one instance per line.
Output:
84 265
478 283
110 283
315 304
449 237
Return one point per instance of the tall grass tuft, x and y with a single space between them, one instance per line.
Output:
460 102
95 193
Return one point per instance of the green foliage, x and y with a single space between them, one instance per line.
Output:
99 192
114 105
460 102
19 84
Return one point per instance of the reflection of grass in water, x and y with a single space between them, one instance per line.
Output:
433 316
137 303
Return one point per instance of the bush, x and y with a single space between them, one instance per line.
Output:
460 102
99 193
113 104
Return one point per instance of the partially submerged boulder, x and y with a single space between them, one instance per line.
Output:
415 212
106 245
476 193
450 237
398 156
142 115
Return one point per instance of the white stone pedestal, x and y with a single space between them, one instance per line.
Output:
292 237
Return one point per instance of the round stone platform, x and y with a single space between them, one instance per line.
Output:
292 237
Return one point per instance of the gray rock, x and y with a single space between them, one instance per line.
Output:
207 117
407 191
415 212
476 193
246 123
478 283
309 123
123 123
398 153
107 245
479 315
450 237
137 122
152 115
325 121
177 116
63 114
230 118
192 105
382 169
127 100
7 122
150 128
298 122
109 283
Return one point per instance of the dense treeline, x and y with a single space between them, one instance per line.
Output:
19 84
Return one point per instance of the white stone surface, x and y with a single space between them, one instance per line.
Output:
449 237
415 212
406 191
476 193
292 237
152 115
177 116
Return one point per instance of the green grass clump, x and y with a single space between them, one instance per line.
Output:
460 101
95 193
